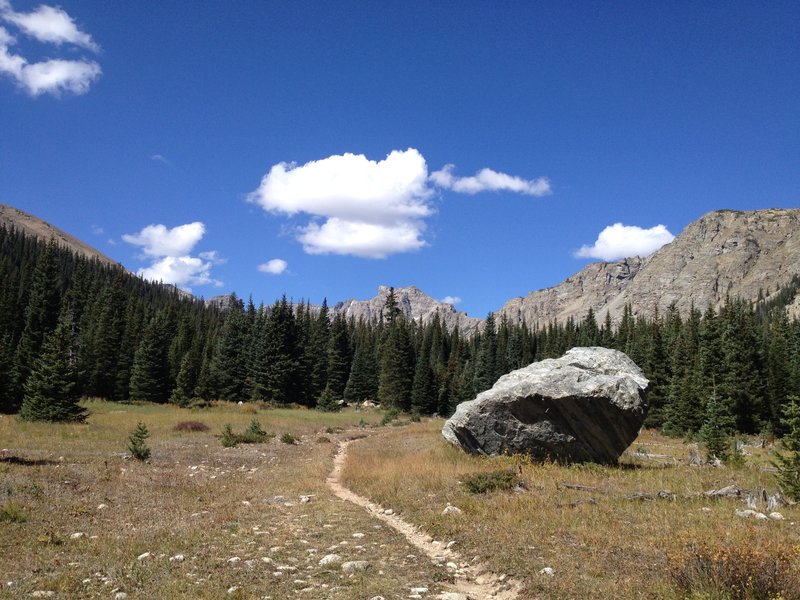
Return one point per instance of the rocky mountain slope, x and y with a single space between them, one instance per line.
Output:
36 227
723 253
415 305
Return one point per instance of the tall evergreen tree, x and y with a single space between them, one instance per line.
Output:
150 370
50 390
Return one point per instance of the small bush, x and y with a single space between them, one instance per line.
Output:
191 426
136 443
288 438
736 572
323 439
389 416
415 417
248 408
12 513
481 483
254 434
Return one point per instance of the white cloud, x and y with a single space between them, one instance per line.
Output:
368 208
157 240
182 271
160 158
54 76
488 180
50 25
276 266
367 240
170 253
451 300
97 230
620 241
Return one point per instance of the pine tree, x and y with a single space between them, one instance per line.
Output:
41 313
50 390
485 367
150 370
396 359
339 357
718 428
362 384
424 389
788 461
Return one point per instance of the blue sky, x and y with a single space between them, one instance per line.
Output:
322 149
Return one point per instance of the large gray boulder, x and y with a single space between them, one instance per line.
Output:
586 406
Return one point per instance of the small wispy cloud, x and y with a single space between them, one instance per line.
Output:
620 241
50 25
276 266
488 180
97 230
160 158
451 300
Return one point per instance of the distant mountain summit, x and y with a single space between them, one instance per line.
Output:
416 306
724 253
36 227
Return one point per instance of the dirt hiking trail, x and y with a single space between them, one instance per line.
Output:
472 581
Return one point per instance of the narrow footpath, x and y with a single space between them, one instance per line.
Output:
471 581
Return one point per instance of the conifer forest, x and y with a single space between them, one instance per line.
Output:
71 327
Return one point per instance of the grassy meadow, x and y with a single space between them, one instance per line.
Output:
77 514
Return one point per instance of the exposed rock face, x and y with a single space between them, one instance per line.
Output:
723 253
415 305
587 405
36 227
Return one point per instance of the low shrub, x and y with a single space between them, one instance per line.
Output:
191 426
323 439
12 513
389 416
288 438
254 434
720 571
481 483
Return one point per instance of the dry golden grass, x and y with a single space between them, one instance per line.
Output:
600 544
194 498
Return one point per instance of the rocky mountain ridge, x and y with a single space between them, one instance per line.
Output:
36 227
415 305
724 253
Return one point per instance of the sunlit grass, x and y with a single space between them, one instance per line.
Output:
601 544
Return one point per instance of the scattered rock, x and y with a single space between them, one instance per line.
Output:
358 536
234 588
419 590
776 516
330 559
120 596
233 560
548 571
144 556
43 594
451 510
77 535
102 506
751 513
388 511
730 491
453 596
353 566
177 558
587 405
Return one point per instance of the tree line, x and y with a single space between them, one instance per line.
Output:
74 327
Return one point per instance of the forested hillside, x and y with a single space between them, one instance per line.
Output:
128 339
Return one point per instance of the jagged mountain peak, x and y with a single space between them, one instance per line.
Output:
415 305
